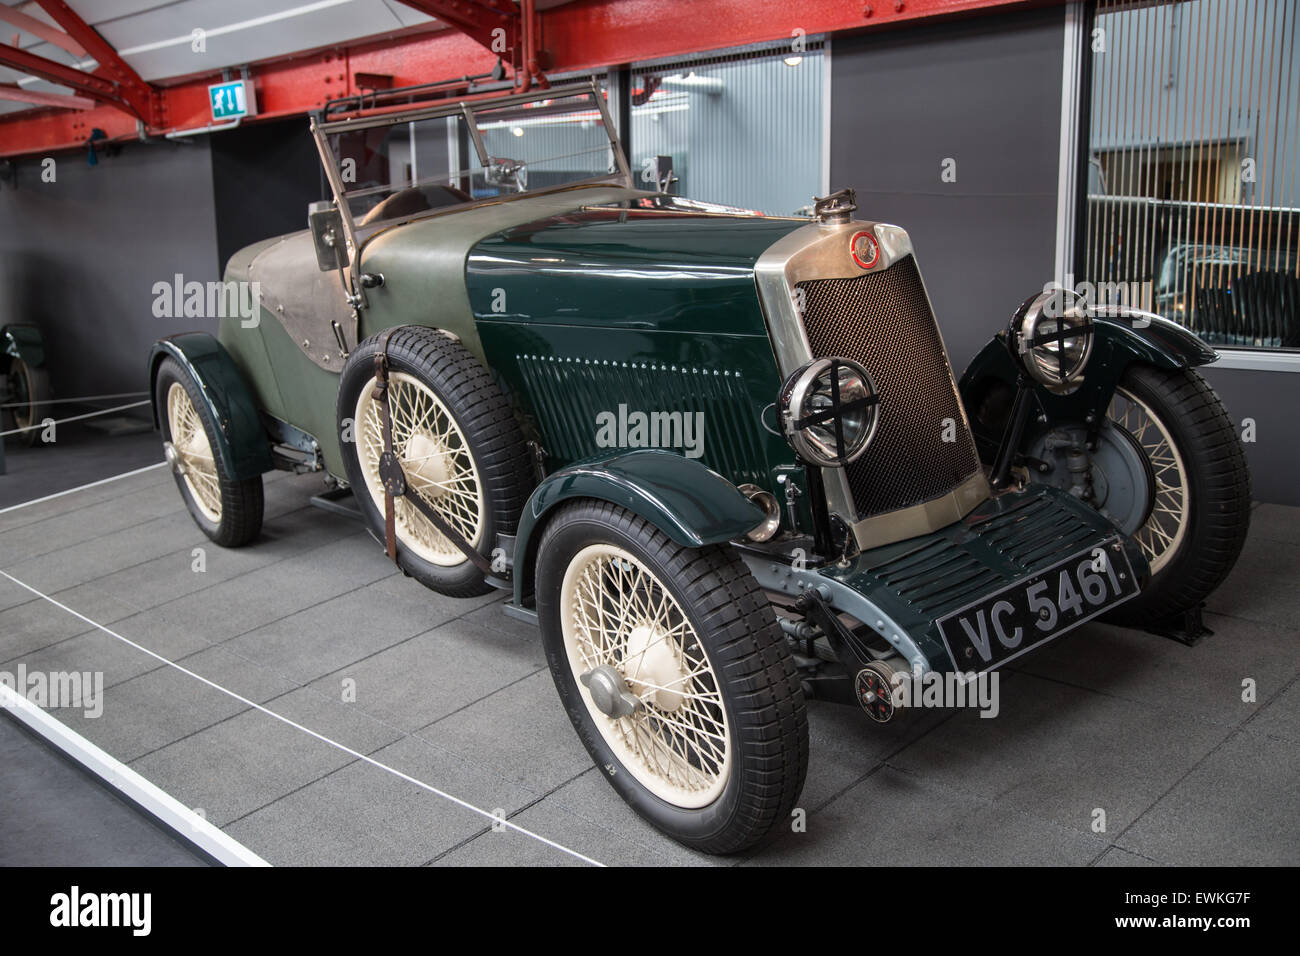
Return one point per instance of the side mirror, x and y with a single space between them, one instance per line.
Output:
326 224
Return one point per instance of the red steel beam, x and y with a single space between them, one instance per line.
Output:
139 96
41 29
63 101
583 35
598 33
61 73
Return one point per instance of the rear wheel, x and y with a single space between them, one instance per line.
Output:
227 510
1201 508
674 673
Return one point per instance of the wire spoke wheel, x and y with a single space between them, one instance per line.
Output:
616 613
198 465
1165 529
436 459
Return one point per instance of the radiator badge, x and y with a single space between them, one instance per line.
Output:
864 249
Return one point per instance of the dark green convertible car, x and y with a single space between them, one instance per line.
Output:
719 458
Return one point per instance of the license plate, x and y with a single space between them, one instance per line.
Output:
1003 625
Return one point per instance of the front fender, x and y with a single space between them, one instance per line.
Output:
681 497
1119 340
242 443
23 342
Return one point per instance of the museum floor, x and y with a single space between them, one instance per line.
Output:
390 701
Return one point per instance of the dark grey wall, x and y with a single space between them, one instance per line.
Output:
79 257
1272 400
987 93
263 178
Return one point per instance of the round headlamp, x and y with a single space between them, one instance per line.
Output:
829 410
1051 337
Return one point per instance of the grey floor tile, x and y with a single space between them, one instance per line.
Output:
903 818
520 731
1261 587
588 815
595 840
33 625
151 711
1279 522
41 511
237 674
93 651
436 673
355 625
1115 856
1280 715
1204 681
240 765
1057 753
1237 808
362 815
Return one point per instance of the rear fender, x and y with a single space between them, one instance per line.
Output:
242 443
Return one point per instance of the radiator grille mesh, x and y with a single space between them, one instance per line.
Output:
883 321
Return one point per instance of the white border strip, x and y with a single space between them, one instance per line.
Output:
1257 361
102 481
1067 175
496 820
187 824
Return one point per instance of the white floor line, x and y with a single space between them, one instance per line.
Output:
75 399
180 818
497 821
102 481
74 418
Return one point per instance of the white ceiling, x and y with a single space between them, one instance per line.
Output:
155 36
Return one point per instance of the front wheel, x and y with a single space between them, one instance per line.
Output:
1201 506
674 673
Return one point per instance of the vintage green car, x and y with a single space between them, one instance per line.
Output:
719 458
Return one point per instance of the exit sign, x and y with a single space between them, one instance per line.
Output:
233 99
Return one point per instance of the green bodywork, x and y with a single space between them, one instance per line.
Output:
591 305
691 504
578 301
1117 344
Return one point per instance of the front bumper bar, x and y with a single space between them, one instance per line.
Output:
901 589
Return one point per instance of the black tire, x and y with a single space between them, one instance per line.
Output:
757 679
240 519
483 416
31 385
1218 493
